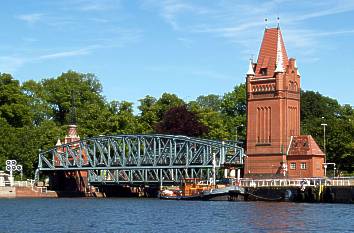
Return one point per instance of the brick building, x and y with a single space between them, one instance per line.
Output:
69 180
274 145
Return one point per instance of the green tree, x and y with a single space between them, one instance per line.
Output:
212 102
148 113
234 107
152 110
14 107
59 93
122 119
234 102
317 109
166 102
39 107
214 120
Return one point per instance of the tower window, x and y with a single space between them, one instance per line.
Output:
303 166
264 71
292 166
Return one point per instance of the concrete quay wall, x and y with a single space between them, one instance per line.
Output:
26 192
320 194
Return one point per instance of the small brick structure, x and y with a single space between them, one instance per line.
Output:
305 158
275 148
75 181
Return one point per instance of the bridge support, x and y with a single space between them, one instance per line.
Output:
69 181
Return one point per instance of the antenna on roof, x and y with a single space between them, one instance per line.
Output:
278 20
266 23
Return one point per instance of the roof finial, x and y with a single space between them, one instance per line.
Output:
278 21
266 23
250 68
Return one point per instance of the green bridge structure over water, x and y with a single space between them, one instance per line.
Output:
142 159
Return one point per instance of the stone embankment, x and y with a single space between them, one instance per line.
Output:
335 190
23 189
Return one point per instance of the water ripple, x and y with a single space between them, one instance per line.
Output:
152 215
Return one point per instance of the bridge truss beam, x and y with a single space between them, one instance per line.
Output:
142 158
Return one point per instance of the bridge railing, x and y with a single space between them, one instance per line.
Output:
300 182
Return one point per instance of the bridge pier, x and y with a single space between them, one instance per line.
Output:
116 190
71 183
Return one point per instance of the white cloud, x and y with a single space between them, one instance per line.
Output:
172 10
95 5
330 9
30 18
186 41
9 64
72 53
242 22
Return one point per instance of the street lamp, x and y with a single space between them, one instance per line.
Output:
214 170
11 166
324 146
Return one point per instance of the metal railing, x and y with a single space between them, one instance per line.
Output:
11 183
340 181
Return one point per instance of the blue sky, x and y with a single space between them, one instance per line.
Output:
190 48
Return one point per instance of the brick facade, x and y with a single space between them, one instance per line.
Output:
273 115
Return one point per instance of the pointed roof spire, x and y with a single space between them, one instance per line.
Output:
58 142
279 61
272 56
250 68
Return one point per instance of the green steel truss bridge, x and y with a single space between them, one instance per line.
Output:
142 159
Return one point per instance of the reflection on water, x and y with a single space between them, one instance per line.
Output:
152 215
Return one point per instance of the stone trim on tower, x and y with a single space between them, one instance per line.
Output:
279 62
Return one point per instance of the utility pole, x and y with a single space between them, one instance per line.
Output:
324 147
214 170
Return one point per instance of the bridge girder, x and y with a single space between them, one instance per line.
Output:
142 158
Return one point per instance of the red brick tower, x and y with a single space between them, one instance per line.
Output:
273 110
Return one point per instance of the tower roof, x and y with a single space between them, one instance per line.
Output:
272 54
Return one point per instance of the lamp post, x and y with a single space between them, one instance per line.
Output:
324 147
214 170
236 138
11 166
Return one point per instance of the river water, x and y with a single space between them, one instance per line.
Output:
153 215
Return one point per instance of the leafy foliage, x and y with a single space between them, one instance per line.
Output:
35 114
180 121
13 103
317 109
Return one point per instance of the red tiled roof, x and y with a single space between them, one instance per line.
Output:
268 52
304 145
